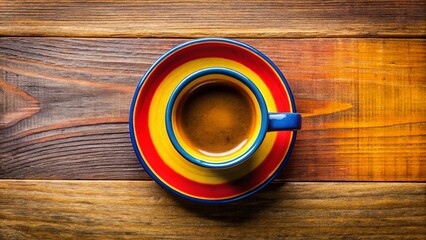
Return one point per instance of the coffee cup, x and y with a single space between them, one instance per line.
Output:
217 117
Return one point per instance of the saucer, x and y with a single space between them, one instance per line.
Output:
154 148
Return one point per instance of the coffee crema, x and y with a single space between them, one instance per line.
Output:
216 118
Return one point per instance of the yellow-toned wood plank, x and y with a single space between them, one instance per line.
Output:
109 18
65 103
135 209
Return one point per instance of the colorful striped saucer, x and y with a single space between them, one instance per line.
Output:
156 152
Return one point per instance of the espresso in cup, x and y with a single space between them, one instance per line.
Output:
215 117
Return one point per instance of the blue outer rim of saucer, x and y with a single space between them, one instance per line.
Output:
133 137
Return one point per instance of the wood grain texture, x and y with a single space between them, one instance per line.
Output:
266 19
66 103
135 210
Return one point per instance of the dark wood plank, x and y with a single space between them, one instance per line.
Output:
293 19
65 102
135 210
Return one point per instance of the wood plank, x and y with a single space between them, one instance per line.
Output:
135 210
198 18
65 102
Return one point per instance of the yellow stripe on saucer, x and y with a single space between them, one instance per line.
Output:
165 148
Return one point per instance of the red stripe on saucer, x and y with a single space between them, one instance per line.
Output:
167 174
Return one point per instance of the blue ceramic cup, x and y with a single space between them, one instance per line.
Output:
217 118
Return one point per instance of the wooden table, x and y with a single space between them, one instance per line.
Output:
68 70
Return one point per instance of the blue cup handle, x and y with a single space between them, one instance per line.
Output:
284 121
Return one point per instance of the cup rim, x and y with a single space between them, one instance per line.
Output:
259 100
